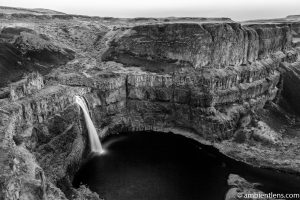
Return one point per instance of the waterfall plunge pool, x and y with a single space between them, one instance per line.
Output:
165 166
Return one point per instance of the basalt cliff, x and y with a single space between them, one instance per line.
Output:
222 83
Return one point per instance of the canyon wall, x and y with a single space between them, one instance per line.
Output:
197 77
43 141
204 79
199 45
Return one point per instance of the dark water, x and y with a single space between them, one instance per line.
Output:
160 166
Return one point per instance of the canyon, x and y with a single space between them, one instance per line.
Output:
222 83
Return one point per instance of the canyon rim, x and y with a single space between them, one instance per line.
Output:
231 85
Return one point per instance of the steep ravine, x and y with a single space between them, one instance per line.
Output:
218 82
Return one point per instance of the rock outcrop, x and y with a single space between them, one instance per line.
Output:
213 80
199 45
194 79
24 51
242 189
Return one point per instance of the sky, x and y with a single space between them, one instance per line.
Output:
236 9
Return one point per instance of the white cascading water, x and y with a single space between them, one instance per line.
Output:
95 143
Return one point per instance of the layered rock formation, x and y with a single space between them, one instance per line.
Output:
213 80
189 77
198 44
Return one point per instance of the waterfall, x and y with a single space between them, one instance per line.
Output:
95 143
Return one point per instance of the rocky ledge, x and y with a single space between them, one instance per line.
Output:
214 80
